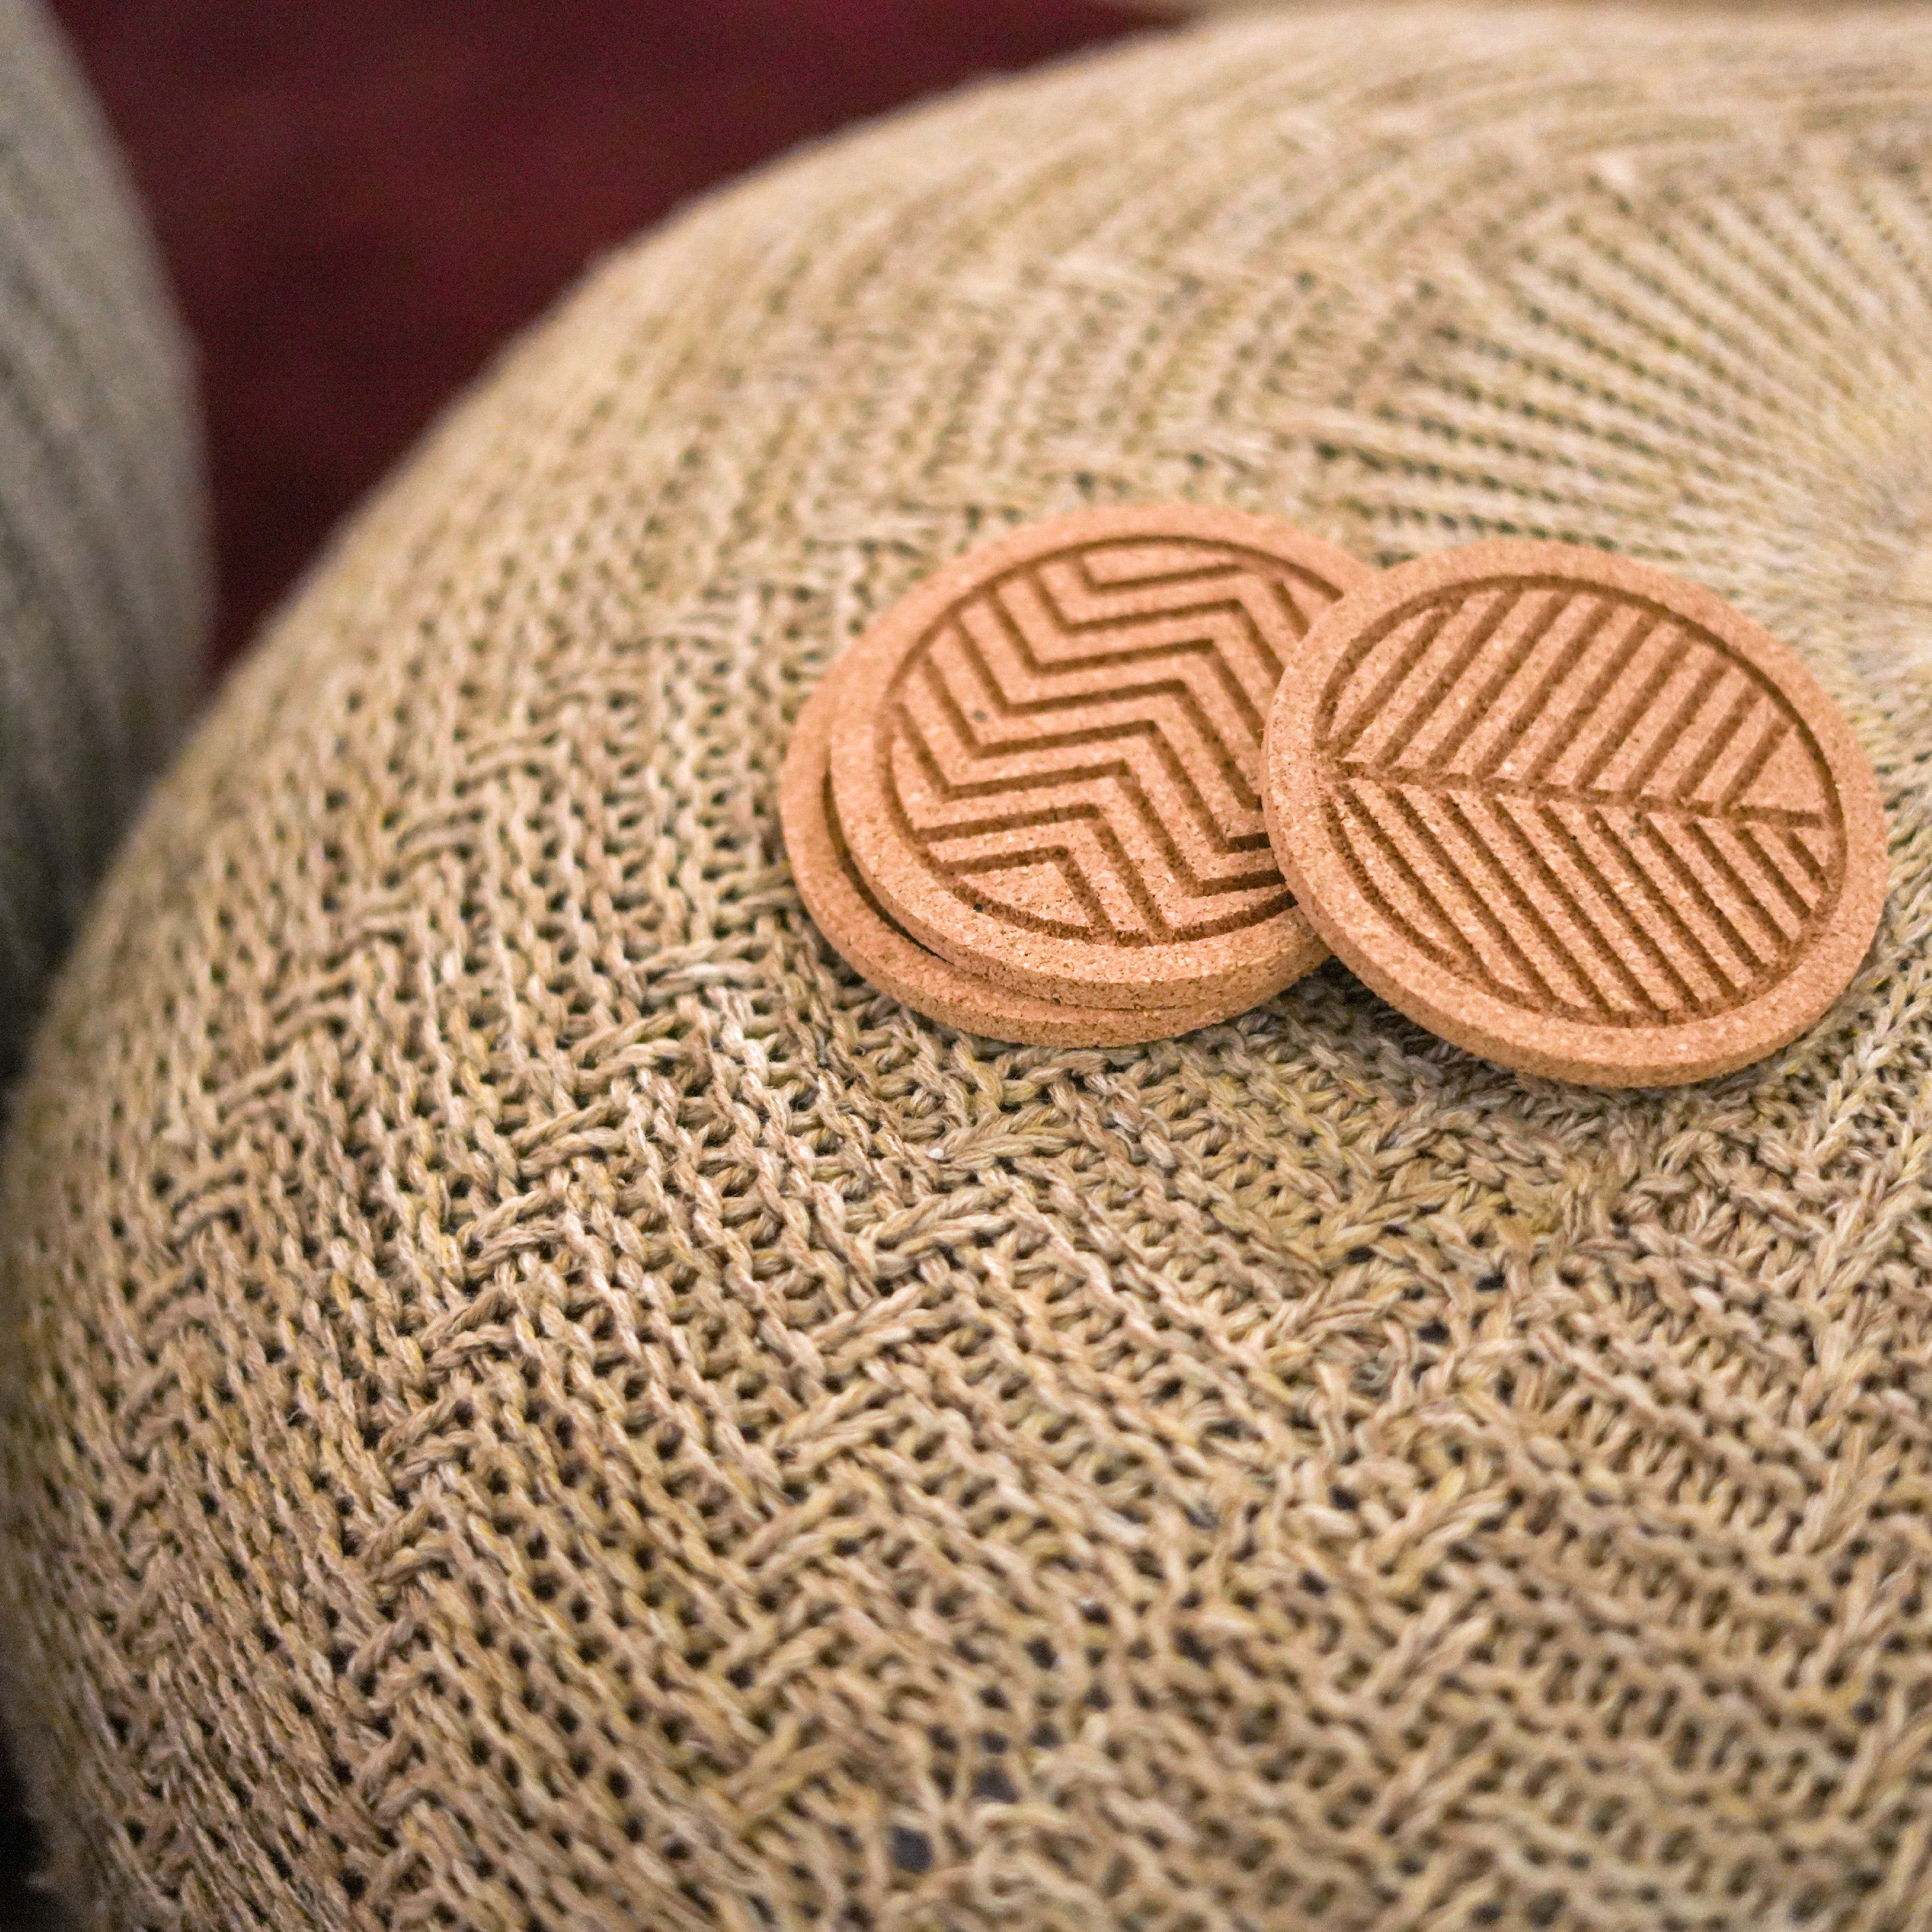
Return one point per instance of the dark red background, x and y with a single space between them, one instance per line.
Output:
359 200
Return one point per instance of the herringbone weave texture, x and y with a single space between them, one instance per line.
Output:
533 1399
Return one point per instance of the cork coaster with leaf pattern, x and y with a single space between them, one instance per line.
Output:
1574 814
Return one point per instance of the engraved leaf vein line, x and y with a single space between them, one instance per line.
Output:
1747 898
1619 913
1458 946
1564 734
1428 628
1664 742
1485 914
1617 733
1661 903
1681 871
1662 805
1551 685
1564 955
1607 952
1481 709
1483 625
1711 754
1802 906
1742 779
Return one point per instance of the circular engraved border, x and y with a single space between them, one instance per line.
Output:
1372 635
1327 876
1245 965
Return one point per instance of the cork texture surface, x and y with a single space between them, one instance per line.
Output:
1047 758
1575 813
865 936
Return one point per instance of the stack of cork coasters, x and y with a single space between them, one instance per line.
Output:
1126 772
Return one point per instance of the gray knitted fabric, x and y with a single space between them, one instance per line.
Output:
102 564
532 1399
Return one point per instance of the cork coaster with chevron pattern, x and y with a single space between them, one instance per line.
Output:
1046 760
865 935
1576 814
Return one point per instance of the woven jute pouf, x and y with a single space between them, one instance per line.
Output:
535 1399
102 560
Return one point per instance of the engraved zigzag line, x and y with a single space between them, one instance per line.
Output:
981 741
1133 799
1010 709
1194 634
1079 606
1087 605
1172 898
1065 862
1207 643
1105 866
1133 802
1020 718
1141 734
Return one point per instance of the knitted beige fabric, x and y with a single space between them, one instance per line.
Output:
534 1399
103 567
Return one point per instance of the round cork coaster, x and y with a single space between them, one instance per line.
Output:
1575 814
842 907
1047 759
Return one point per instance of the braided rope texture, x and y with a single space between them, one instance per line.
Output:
534 1399
102 565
